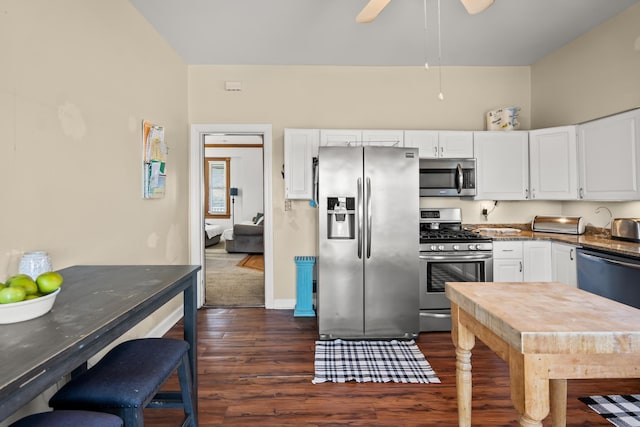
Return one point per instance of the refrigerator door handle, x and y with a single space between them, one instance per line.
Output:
359 218
368 193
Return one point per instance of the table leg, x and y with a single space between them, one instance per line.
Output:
558 397
464 341
190 322
529 387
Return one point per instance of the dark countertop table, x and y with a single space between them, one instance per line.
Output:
96 305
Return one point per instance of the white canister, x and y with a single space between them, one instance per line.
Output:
35 263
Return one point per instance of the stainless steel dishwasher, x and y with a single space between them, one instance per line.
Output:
612 276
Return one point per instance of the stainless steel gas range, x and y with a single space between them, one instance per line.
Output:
448 253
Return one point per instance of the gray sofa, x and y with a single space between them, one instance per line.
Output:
246 238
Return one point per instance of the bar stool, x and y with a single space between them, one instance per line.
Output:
128 379
69 419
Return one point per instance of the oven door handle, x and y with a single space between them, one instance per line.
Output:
456 257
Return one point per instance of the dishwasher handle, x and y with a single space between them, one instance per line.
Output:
612 261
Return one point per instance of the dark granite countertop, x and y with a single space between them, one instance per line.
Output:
593 238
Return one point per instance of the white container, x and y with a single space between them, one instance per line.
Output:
35 263
505 118
29 309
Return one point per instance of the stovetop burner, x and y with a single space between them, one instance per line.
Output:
441 230
449 235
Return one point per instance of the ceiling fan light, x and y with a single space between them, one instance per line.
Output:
371 11
476 6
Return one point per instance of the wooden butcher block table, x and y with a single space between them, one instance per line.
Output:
547 333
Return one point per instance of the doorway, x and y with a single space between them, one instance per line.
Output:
233 216
197 202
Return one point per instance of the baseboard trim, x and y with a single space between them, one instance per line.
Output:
166 324
284 304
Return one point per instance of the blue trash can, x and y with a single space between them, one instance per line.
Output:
304 286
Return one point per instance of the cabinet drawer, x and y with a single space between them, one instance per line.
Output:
504 250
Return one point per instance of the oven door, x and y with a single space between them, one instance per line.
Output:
438 268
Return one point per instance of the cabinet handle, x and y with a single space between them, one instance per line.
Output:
435 151
533 193
571 254
520 266
526 193
581 193
441 151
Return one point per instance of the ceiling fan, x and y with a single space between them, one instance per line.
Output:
374 7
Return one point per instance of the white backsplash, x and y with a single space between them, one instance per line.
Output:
518 212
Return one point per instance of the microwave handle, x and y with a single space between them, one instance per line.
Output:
459 178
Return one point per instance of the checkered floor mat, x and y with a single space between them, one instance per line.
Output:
619 410
371 361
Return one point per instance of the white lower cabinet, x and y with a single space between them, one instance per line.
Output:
518 261
536 255
563 258
507 261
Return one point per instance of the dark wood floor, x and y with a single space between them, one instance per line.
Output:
256 366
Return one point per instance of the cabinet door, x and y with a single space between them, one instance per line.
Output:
454 144
507 270
385 138
502 165
608 157
507 261
563 258
426 141
299 146
537 261
340 137
553 163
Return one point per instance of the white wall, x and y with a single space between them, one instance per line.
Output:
344 97
77 77
595 75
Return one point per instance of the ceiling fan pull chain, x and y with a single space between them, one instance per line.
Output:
440 95
426 38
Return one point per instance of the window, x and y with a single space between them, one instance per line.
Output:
216 175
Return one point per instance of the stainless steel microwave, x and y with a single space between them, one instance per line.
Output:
447 177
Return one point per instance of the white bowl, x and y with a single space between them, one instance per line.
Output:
30 309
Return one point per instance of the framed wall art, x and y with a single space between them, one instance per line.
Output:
154 153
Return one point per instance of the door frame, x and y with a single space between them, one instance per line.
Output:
196 199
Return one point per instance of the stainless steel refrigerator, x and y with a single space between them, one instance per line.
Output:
368 242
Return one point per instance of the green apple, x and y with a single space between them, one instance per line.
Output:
11 294
49 281
27 283
16 276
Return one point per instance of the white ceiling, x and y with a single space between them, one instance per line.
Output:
324 32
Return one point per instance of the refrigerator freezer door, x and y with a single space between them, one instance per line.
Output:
340 271
391 291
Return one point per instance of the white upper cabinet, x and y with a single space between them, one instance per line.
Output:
426 141
433 144
355 137
340 137
456 144
608 157
553 163
386 138
502 166
300 146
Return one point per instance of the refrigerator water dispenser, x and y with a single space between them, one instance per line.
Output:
341 217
